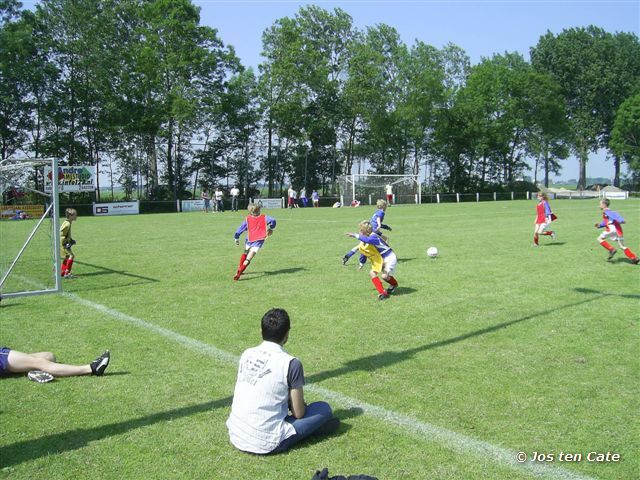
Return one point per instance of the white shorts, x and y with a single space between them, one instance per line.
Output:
540 227
610 233
389 264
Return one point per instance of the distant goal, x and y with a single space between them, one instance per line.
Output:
367 188
29 229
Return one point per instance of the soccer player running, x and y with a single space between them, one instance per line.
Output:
383 259
258 228
612 224
376 223
66 242
544 217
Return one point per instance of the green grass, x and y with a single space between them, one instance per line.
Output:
526 349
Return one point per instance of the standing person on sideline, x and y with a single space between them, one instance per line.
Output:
13 361
376 223
66 242
258 228
235 193
389 191
544 217
315 198
303 196
290 196
207 201
219 196
269 386
295 199
612 224
383 259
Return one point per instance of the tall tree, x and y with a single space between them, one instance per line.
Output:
595 71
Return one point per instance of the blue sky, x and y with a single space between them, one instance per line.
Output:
481 28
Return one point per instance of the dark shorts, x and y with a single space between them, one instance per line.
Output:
4 360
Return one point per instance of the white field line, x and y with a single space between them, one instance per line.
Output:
456 442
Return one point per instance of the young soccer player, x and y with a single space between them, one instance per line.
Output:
376 223
13 361
258 228
66 242
544 217
612 224
315 198
383 259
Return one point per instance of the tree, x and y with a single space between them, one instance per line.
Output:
625 136
595 71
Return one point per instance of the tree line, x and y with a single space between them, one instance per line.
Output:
162 106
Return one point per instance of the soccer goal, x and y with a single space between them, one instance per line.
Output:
29 229
367 188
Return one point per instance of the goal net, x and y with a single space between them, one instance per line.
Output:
30 253
367 188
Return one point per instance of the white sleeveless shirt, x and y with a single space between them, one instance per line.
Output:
261 400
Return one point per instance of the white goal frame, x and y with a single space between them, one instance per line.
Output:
352 181
52 211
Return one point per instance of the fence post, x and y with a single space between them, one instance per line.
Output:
495 197
477 196
416 198
457 198
511 195
438 197
369 199
342 200
528 195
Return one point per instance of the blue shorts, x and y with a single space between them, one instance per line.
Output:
4 360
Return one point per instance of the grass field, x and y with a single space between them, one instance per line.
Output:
493 348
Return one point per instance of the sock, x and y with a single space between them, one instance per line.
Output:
69 265
392 281
378 284
606 245
243 257
243 267
630 254
350 254
547 233
535 239
63 270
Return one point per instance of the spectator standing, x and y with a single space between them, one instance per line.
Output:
235 193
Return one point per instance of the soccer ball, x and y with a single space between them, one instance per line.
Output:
432 252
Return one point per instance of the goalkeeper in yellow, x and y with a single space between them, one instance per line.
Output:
66 242
383 259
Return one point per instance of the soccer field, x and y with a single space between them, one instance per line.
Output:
493 348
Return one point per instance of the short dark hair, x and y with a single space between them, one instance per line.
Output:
275 325
605 201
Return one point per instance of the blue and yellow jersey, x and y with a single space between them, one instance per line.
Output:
371 252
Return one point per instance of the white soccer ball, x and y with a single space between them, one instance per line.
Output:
432 252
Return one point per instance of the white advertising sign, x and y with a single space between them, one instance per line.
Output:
268 202
118 208
616 195
76 178
192 205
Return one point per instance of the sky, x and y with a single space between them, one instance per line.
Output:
481 28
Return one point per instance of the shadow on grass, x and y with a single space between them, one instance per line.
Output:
403 260
254 275
606 294
554 244
74 439
388 358
342 414
403 291
108 271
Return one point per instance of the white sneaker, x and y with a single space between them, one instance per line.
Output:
553 235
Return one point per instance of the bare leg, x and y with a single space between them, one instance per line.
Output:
19 362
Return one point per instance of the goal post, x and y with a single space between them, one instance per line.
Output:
367 188
30 256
